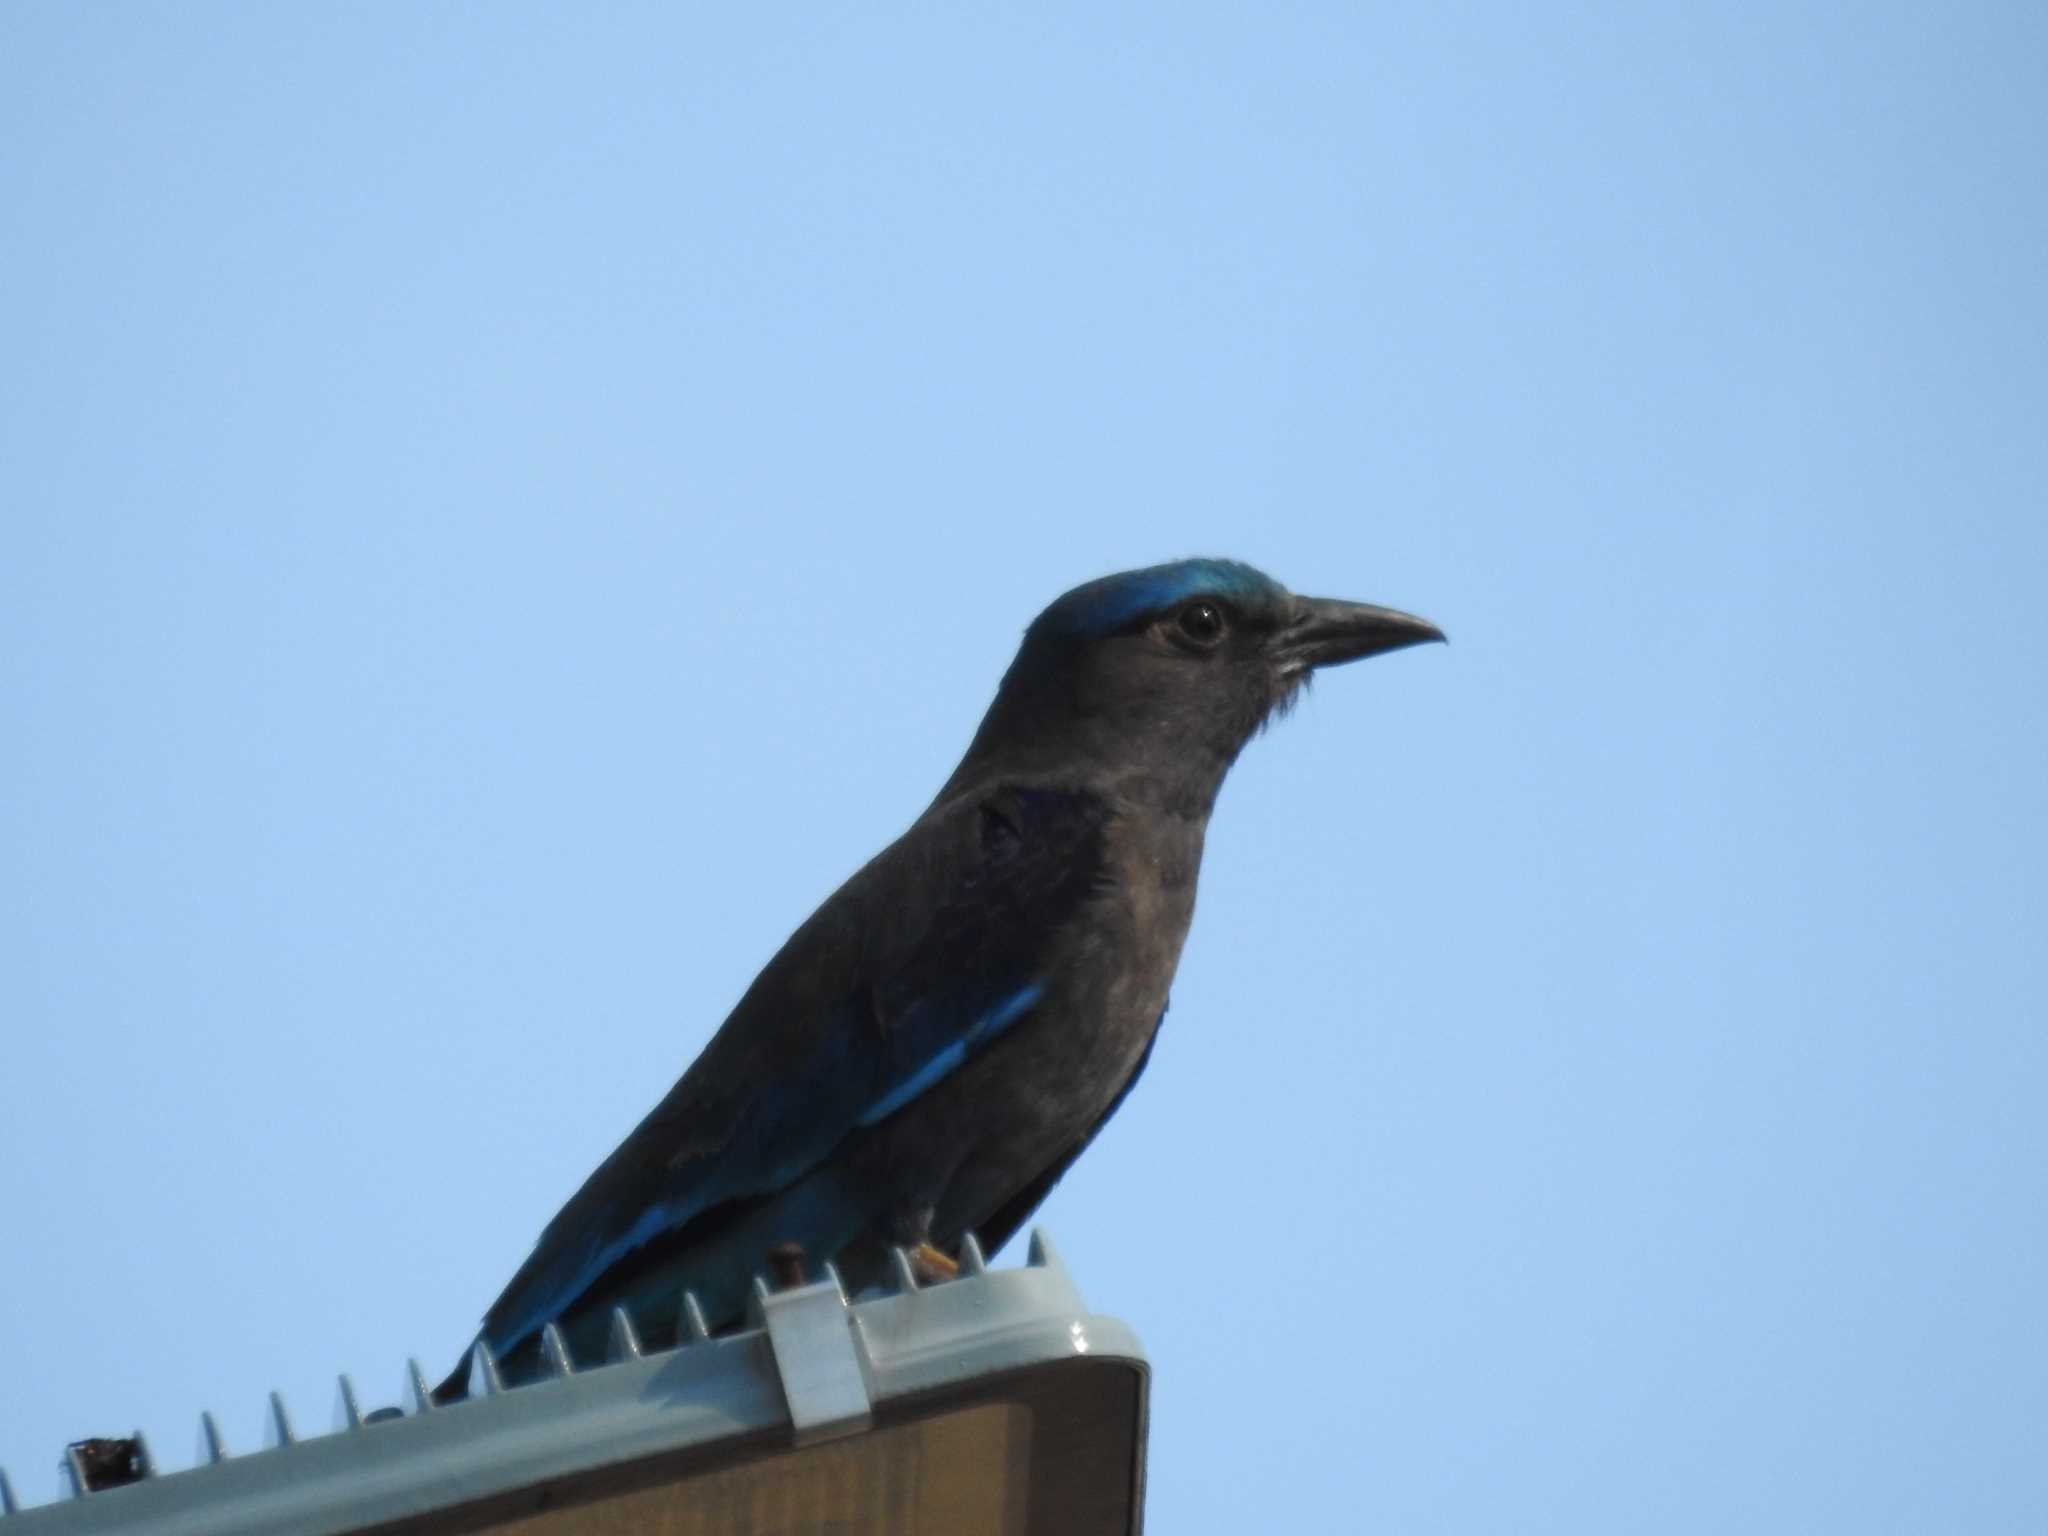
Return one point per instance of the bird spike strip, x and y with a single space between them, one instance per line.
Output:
93 1465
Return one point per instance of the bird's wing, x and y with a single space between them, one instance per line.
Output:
924 956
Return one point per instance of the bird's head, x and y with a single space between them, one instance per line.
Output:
1174 667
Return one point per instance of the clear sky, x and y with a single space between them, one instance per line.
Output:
502 508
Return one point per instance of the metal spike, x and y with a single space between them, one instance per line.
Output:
348 1412
277 1425
972 1260
143 1460
8 1504
693 1327
74 1468
904 1270
554 1354
485 1380
212 1448
1042 1255
625 1342
757 1303
830 1271
417 1389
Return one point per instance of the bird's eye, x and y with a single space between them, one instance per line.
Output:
1201 622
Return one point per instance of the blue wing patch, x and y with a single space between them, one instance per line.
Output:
945 1062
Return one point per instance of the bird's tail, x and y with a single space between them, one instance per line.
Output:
456 1388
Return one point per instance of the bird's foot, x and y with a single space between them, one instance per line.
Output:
786 1264
931 1265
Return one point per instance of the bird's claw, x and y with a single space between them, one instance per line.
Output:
932 1265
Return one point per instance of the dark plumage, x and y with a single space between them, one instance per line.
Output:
932 1049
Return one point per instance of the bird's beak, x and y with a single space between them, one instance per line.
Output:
1327 632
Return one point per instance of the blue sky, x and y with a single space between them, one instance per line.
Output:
501 509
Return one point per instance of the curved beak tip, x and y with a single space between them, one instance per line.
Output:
1329 632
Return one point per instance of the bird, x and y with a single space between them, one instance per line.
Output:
927 1055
